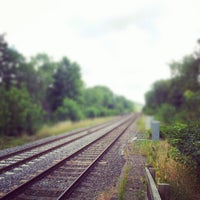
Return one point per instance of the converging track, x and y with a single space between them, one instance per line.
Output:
16 158
62 175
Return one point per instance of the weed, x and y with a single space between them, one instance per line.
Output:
141 126
7 142
181 178
67 126
140 123
107 195
123 182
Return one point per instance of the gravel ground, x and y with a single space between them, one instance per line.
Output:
31 144
135 187
40 141
103 182
17 176
136 181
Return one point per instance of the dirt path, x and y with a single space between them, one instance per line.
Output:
135 187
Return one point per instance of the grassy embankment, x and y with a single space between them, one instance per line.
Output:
46 130
162 156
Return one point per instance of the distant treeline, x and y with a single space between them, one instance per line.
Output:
42 90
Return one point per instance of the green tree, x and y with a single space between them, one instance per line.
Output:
91 112
99 96
68 110
158 95
178 106
105 102
185 137
166 113
67 84
45 68
10 61
17 112
122 105
28 76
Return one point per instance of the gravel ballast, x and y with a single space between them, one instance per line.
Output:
104 180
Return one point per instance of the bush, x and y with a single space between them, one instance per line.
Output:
162 156
69 110
18 113
91 112
186 138
166 113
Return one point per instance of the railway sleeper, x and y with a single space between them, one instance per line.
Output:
52 184
71 169
41 193
74 174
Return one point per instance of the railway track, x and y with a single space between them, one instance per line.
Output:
59 180
25 155
23 166
52 139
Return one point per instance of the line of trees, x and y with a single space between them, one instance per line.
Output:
178 98
176 103
43 90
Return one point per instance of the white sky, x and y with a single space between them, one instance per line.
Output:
125 45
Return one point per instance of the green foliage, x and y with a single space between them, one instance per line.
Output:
99 95
41 89
10 60
91 112
186 138
166 113
17 112
68 110
100 101
181 93
176 102
157 96
171 167
123 182
44 68
122 105
67 83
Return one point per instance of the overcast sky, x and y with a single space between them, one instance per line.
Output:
125 45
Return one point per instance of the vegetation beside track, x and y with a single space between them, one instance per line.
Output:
175 102
171 166
47 130
41 90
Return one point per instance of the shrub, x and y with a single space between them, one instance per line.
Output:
163 157
91 112
166 113
186 138
69 110
18 113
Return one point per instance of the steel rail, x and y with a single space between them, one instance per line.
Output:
75 184
51 141
43 174
6 168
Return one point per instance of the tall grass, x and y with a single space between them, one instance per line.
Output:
7 142
47 130
140 123
123 182
65 126
142 127
107 195
160 155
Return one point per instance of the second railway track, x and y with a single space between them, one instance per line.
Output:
58 181
25 155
